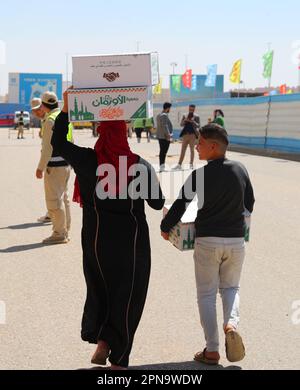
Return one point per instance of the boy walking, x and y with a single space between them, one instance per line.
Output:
220 246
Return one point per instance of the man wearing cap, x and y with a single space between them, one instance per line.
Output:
56 173
36 108
225 195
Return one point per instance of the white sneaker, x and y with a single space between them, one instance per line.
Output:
44 219
54 240
177 168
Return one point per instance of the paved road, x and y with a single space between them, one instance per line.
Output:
44 291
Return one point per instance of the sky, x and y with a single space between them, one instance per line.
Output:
39 37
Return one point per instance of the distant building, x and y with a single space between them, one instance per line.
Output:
23 87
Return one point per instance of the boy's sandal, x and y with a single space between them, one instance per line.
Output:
235 349
201 358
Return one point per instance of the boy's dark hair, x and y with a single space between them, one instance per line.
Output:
215 132
51 106
192 106
167 105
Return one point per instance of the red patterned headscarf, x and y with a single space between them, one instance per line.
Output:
112 144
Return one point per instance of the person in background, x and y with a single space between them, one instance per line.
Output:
164 134
94 129
219 118
189 134
56 172
139 127
36 108
129 125
20 125
37 111
225 189
149 124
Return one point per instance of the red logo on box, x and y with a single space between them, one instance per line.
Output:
111 113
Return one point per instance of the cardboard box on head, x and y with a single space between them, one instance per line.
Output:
105 104
110 71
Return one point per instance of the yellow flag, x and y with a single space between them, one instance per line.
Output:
235 76
158 88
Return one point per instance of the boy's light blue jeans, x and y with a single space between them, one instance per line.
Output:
218 266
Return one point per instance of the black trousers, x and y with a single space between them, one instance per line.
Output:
138 133
164 148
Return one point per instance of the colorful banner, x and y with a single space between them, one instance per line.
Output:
176 83
187 79
283 89
212 71
194 83
235 76
273 93
157 90
268 64
198 90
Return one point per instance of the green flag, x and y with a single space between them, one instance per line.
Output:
176 83
268 64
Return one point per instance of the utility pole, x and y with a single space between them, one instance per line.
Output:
67 69
174 65
186 61
269 44
299 73
269 105
138 45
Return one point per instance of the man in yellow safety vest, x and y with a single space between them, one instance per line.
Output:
56 173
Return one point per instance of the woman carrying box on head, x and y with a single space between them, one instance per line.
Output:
115 236
225 191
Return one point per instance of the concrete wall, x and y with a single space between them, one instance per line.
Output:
246 120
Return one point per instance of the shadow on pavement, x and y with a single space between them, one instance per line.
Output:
187 366
22 248
184 366
94 369
24 226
